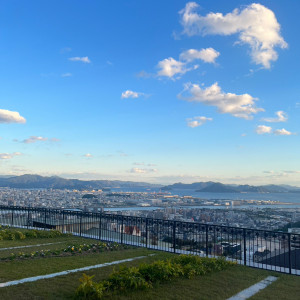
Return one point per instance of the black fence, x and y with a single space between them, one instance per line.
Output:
264 249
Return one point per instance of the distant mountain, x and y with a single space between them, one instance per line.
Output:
36 181
191 186
217 187
28 181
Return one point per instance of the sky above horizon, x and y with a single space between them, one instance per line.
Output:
158 91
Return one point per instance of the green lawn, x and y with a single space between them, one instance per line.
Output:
57 243
35 241
219 285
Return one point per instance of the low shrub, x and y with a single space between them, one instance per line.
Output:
89 289
73 250
145 275
13 234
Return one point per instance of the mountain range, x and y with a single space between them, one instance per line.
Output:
217 187
28 181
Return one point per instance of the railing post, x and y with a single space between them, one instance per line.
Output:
206 239
63 222
80 223
174 237
28 218
146 233
245 248
100 226
122 229
45 219
290 253
12 218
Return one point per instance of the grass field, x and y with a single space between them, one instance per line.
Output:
219 285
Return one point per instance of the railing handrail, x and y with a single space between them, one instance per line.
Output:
98 214
266 249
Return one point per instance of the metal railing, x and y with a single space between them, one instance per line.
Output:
264 249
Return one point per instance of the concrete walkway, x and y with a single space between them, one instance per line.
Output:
47 276
30 246
252 290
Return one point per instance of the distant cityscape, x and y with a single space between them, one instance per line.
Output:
161 204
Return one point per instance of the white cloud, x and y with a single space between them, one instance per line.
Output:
34 139
240 106
9 155
142 171
84 59
131 94
208 55
197 121
170 67
88 155
281 117
256 25
282 132
263 129
7 116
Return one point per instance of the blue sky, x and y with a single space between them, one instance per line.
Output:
157 91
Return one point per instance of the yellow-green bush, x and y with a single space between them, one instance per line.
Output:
145 275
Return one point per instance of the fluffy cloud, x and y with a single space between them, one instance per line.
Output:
208 55
282 132
281 117
170 67
256 25
142 171
240 106
197 121
84 59
263 129
9 155
7 116
130 94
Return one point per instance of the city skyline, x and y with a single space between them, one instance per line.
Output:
153 92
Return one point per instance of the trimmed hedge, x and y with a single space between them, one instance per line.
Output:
14 234
143 277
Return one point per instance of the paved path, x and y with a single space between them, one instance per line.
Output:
35 278
29 246
252 290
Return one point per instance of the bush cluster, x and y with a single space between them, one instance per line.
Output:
74 249
13 234
143 277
